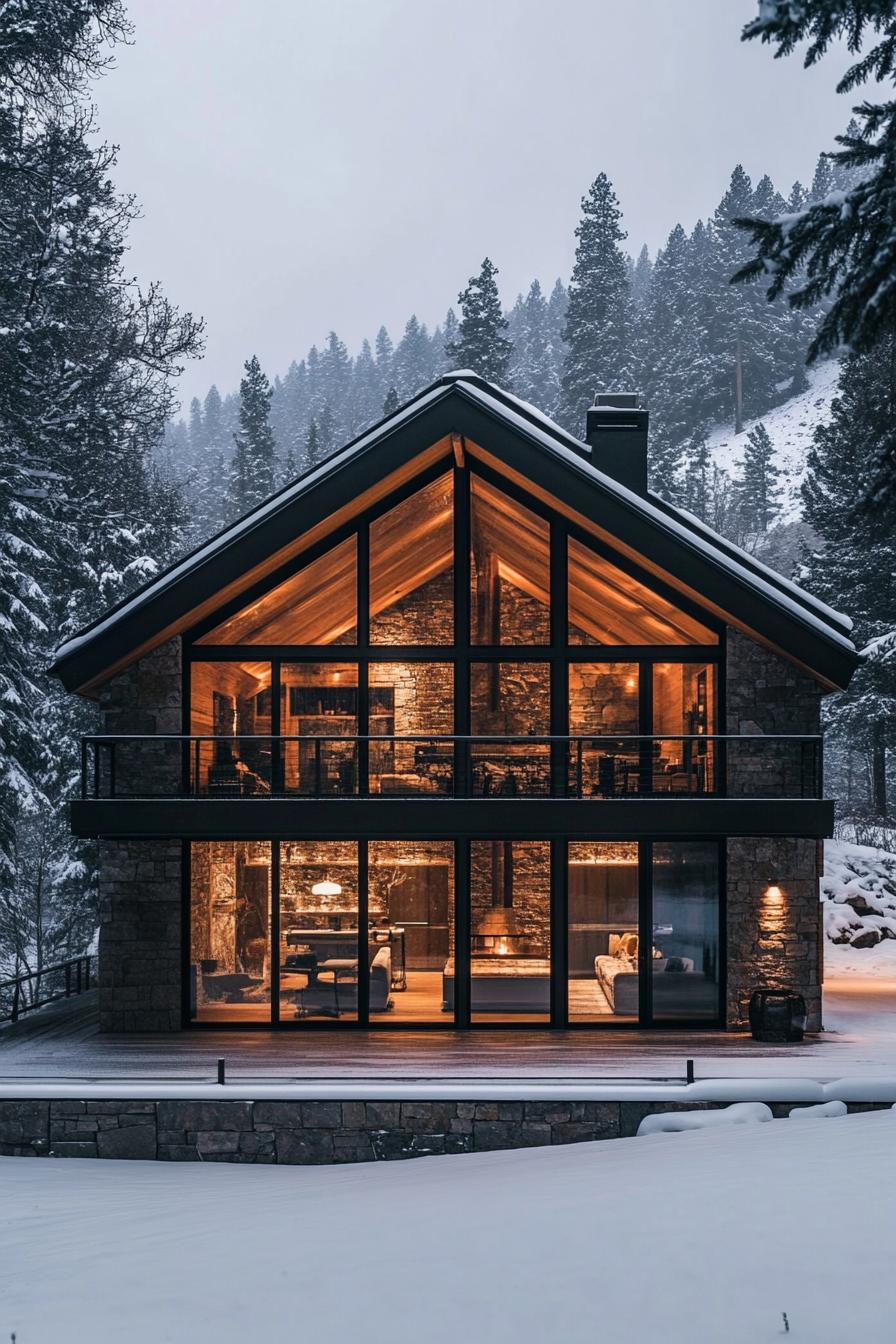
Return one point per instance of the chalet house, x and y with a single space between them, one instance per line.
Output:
466 726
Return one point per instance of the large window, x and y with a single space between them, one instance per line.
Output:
319 720
510 927
411 919
685 963
509 706
319 935
509 570
230 716
230 924
412 568
384 916
609 606
684 712
603 931
318 605
411 707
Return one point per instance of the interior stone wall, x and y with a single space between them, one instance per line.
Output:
139 971
531 890
772 941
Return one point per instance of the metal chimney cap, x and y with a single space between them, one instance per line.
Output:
617 401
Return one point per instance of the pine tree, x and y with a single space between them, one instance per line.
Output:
313 453
642 271
450 333
252 469
391 402
86 366
853 566
482 344
698 476
843 246
760 492
413 361
533 369
597 318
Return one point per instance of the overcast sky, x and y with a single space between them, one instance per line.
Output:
306 166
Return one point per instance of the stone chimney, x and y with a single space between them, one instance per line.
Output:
616 432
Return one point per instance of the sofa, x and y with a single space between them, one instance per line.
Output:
678 988
503 985
331 996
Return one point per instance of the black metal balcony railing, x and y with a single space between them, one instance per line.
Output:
34 989
443 766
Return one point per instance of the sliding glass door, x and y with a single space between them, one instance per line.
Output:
484 932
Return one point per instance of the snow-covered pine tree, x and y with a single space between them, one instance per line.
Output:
853 566
86 363
533 368
760 492
597 330
413 361
843 245
670 345
697 484
313 452
384 353
642 270
482 343
253 465
390 402
367 391
336 380
444 363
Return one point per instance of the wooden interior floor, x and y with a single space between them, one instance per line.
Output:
63 1042
420 1004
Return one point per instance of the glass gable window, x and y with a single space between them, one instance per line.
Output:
319 708
412 569
509 570
608 606
230 717
684 707
318 605
510 703
407 701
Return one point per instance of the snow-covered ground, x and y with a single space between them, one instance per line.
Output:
790 428
690 1238
859 895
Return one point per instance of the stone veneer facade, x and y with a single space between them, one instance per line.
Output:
772 941
777 944
139 974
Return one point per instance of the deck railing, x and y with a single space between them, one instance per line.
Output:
35 989
451 766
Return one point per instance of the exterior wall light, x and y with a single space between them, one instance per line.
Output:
773 893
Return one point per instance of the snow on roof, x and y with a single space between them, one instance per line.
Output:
535 425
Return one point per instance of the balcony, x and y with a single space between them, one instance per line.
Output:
443 786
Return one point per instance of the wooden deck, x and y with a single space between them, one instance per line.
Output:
62 1042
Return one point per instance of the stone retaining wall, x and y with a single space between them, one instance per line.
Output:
317 1132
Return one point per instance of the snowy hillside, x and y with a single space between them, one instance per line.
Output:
858 892
790 428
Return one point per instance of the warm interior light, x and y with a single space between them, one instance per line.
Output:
326 888
774 894
630 684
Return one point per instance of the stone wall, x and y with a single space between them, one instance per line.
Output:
318 1132
774 937
139 972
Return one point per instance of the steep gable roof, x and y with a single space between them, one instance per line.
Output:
516 440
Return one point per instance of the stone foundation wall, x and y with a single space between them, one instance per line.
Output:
317 1133
773 937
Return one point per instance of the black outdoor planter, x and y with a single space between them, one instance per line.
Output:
777 1015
